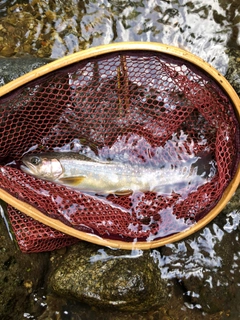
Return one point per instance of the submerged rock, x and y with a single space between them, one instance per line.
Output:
12 68
107 278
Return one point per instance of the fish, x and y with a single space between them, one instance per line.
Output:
98 176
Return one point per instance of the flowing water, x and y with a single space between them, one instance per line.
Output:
206 28
55 28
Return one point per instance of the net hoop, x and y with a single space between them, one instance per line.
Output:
95 52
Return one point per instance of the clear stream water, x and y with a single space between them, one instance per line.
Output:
206 28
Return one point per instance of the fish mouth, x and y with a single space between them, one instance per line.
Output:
27 168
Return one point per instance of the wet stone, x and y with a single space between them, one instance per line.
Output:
20 275
109 278
233 72
12 68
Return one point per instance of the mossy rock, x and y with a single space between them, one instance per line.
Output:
108 278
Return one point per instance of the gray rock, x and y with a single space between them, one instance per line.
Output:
107 278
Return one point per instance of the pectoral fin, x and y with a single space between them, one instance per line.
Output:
123 192
72 181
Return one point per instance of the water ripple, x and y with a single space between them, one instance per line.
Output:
54 29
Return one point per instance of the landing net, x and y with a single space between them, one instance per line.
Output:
140 107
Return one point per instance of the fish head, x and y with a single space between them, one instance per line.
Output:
42 166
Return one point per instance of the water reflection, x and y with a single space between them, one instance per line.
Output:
4 4
103 256
5 219
208 261
233 221
54 29
180 263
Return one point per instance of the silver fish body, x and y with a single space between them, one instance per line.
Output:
106 177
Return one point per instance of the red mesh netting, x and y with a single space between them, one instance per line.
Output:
33 236
143 105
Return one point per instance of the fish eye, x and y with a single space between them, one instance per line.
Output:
35 160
